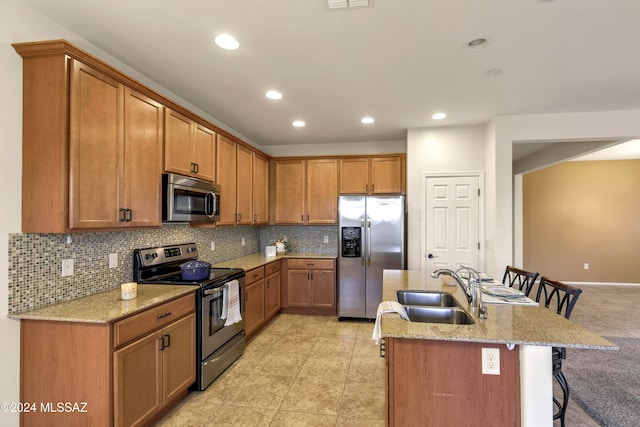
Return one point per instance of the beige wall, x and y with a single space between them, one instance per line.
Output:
583 212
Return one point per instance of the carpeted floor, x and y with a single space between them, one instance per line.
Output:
606 384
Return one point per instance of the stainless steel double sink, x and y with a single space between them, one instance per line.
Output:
433 307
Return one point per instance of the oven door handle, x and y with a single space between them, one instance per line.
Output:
215 290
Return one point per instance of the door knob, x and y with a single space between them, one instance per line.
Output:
432 256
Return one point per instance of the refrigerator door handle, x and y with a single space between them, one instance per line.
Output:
369 243
362 234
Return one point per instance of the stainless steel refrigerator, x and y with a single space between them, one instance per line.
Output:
372 238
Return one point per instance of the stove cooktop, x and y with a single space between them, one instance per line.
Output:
217 274
161 265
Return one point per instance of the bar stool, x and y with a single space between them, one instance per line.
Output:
521 279
562 298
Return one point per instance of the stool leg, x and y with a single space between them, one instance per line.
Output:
562 408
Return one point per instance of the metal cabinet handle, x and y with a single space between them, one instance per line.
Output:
161 316
161 339
168 340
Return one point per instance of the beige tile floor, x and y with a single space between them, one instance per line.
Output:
299 371
316 371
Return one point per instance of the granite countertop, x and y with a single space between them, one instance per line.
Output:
105 307
252 261
506 323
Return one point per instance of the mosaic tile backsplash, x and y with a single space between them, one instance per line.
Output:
35 260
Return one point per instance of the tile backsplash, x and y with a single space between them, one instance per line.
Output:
35 260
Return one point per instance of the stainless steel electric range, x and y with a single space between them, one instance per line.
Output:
217 346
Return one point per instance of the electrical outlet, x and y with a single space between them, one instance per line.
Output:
243 242
113 260
491 361
213 246
326 239
586 265
67 267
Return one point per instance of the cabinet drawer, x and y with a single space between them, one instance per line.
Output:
254 275
152 319
272 267
300 263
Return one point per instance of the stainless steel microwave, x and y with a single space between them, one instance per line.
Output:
187 199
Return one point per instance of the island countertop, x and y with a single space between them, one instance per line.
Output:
107 306
506 323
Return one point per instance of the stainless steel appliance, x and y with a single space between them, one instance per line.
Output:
217 346
188 199
372 238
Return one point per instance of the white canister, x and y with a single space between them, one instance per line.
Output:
270 251
129 290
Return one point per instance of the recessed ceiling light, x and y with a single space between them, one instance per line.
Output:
477 44
227 42
273 94
298 123
493 72
438 116
367 120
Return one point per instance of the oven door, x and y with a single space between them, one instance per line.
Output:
214 333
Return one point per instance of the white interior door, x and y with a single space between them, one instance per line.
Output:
452 222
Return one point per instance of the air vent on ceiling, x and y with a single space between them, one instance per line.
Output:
340 4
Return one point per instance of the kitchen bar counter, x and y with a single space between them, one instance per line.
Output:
105 307
250 262
506 323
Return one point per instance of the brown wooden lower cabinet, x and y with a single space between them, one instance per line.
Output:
262 296
438 383
310 286
254 307
126 373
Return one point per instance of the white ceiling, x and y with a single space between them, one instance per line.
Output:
399 61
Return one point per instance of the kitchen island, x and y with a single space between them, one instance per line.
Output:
434 369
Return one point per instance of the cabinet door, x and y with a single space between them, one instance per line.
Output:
386 175
96 148
226 177
260 190
178 357
143 136
137 380
354 176
204 152
298 288
254 307
289 177
323 288
272 295
178 143
322 191
244 180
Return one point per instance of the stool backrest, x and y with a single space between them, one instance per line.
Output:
521 279
560 296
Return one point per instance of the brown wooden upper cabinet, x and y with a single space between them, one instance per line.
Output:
306 191
243 177
260 189
92 147
189 147
373 175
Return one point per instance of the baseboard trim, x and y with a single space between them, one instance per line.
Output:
601 283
